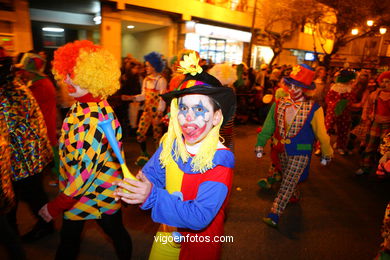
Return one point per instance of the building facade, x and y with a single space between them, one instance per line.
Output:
220 30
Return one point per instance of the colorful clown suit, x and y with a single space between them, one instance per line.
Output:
153 108
294 138
87 165
189 202
187 181
339 100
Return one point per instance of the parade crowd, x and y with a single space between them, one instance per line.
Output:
52 106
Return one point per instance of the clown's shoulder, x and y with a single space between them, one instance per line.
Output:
224 156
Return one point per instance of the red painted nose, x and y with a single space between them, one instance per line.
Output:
189 116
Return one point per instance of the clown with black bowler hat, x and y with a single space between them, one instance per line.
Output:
187 182
295 122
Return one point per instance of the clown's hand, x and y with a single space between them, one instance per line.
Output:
44 213
259 151
127 98
325 160
137 191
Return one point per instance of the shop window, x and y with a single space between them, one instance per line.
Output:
212 49
53 39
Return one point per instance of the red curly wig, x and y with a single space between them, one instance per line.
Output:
65 58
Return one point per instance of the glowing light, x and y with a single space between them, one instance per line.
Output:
382 30
370 22
130 27
52 29
355 31
265 53
97 19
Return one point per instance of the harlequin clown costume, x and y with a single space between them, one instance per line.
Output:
295 123
87 164
190 174
338 113
153 85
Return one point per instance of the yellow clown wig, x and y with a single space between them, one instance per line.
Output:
89 66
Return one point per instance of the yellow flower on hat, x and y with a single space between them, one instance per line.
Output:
190 64
295 70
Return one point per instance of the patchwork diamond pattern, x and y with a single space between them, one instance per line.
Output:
88 164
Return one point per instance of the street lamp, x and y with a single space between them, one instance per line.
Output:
382 30
370 23
355 31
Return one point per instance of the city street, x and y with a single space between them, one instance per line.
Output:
339 217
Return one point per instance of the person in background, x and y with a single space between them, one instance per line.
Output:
318 95
339 101
9 237
152 87
361 130
121 107
30 150
378 113
43 91
262 75
132 82
383 171
360 96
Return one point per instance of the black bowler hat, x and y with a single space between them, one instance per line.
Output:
205 84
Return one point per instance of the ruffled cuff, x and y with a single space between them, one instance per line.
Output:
61 203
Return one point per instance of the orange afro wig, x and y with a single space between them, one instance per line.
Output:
89 66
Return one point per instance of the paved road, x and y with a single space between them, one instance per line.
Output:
339 217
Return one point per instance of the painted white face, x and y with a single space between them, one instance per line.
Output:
295 92
149 68
196 117
73 89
